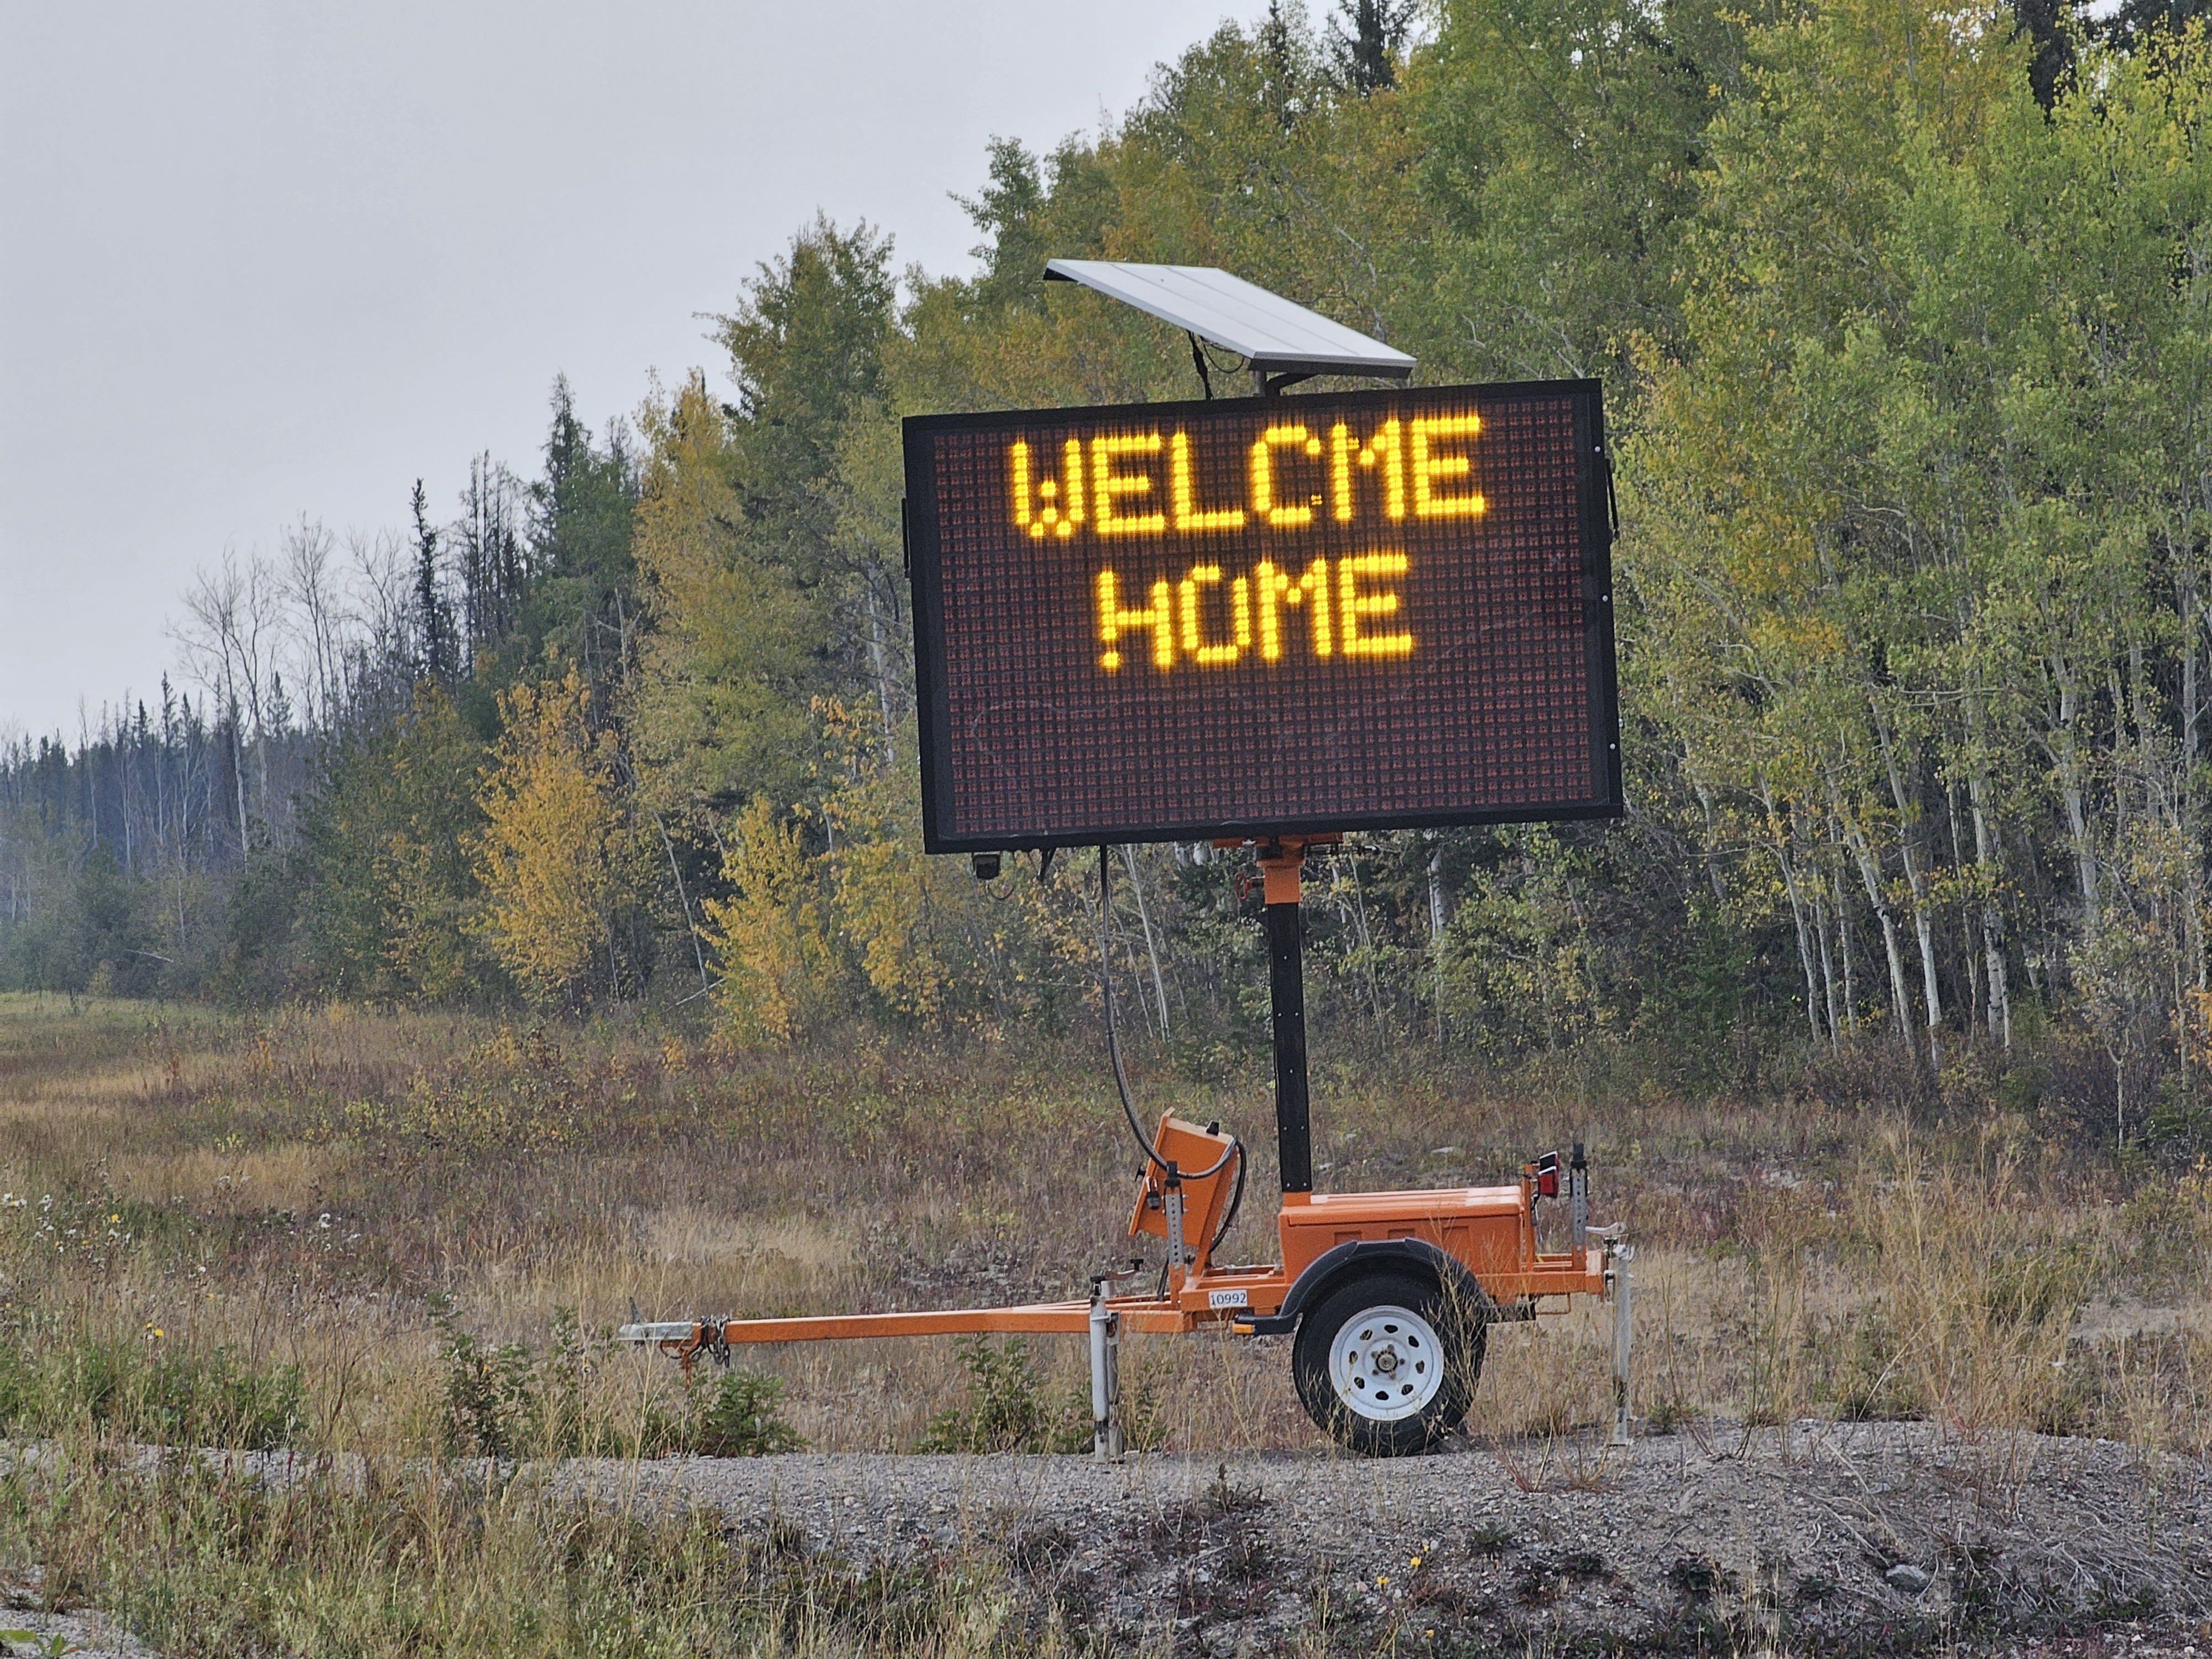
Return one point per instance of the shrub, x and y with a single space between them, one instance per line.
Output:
508 1402
738 1415
492 1406
1006 1409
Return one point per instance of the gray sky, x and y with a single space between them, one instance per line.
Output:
263 260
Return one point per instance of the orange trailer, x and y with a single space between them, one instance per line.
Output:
1388 1296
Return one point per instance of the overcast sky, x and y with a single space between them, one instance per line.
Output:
263 260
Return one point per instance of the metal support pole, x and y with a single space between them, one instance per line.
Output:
1105 1376
1578 1199
1620 1256
1179 1254
1287 993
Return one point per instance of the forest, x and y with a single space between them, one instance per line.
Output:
1904 315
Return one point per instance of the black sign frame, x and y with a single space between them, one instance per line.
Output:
924 567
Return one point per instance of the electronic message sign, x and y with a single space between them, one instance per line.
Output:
1171 621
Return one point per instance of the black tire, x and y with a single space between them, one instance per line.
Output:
1409 1381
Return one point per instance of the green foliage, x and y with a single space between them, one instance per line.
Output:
149 1389
1561 146
260 961
492 1401
805 348
1690 1010
717 712
1366 41
1008 1407
388 886
508 1403
578 606
113 926
736 1413
98 929
1519 960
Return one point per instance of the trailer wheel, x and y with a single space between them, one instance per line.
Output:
1386 1365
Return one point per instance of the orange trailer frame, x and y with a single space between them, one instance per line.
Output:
1489 1223
1479 1244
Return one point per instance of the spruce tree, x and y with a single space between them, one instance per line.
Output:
436 626
1365 39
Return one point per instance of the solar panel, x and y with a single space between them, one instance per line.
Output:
1277 337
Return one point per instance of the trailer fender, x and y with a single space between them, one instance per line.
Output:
1362 1255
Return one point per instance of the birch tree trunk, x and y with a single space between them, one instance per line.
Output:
1820 887
1843 933
1988 856
1870 875
1916 879
882 674
1977 1008
1152 951
1776 844
2066 759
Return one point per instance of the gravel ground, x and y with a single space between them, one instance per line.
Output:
1828 1537
1825 1538
86 1634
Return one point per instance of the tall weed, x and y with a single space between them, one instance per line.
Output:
1979 1285
148 1390
407 1560
509 1402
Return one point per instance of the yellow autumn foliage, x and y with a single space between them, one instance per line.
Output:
779 968
905 909
553 853
934 944
870 918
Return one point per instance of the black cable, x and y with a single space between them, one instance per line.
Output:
1198 359
1235 1147
1204 361
1236 1201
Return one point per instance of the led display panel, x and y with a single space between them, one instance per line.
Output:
1259 616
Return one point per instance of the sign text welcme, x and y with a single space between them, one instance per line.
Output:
1123 484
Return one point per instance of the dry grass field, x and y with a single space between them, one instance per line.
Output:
394 1243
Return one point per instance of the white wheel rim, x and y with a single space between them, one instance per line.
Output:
1387 1363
